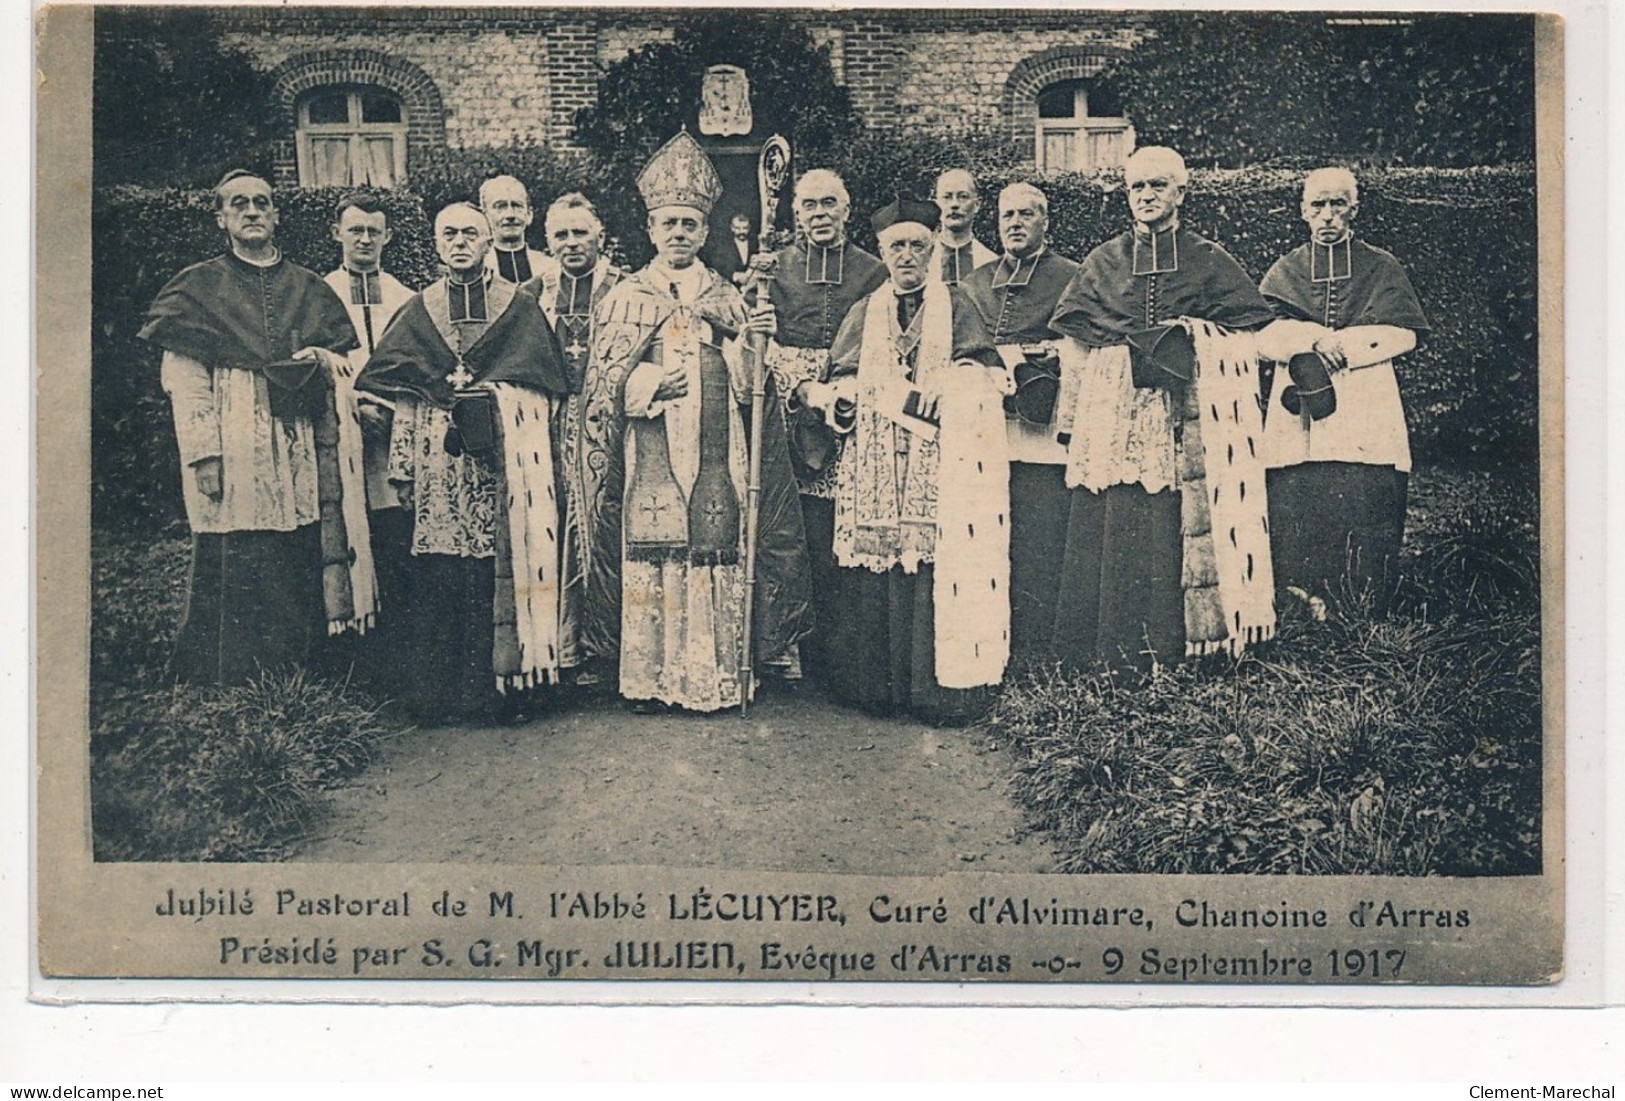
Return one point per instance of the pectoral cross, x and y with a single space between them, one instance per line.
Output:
460 378
574 348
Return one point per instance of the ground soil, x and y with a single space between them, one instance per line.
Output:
801 785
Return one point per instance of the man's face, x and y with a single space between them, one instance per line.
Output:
574 237
508 208
1330 212
1022 225
677 233
362 236
821 213
1153 196
739 226
957 199
247 213
906 249
462 238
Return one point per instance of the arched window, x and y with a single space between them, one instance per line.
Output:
351 136
1081 128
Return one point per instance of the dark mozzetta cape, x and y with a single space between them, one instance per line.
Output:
814 287
1376 292
413 359
227 312
1017 298
1106 301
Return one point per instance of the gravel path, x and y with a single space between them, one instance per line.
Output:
802 785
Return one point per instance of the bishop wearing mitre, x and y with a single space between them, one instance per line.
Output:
669 338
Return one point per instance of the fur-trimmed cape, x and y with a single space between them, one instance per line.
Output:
413 359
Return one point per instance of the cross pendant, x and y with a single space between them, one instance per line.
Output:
459 378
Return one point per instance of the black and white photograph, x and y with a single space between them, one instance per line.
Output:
914 480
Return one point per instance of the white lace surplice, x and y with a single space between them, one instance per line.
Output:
268 466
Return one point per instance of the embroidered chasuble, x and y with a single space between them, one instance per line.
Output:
678 533
220 323
1346 284
452 343
1202 439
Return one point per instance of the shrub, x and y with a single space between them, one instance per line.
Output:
224 773
172 105
137 592
1446 90
1407 747
187 773
1473 544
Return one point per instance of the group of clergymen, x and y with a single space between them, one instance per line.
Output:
537 470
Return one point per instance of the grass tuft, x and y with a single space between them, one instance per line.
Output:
1408 745
190 773
225 773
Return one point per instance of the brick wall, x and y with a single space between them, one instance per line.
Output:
873 57
499 76
951 79
572 59
493 84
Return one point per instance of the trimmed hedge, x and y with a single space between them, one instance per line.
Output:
1443 89
1466 236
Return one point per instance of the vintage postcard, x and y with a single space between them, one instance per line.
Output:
588 495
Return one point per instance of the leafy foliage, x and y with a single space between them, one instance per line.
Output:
1232 89
648 96
1473 543
1406 746
138 590
882 164
173 105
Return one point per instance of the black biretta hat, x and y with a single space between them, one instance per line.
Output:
903 209
1311 387
1162 358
